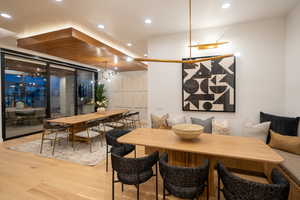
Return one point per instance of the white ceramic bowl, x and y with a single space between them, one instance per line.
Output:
188 131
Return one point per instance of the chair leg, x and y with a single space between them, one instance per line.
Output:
138 192
113 184
54 143
101 138
134 151
122 187
68 137
106 157
219 185
73 138
207 191
89 139
156 180
164 191
102 134
42 142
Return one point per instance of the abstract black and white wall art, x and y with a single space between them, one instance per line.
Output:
209 86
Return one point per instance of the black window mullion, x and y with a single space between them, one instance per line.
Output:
48 86
2 64
76 92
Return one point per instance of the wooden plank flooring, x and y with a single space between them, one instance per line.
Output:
24 176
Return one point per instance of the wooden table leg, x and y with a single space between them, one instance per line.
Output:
211 178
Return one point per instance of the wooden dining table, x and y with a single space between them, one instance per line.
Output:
77 122
213 147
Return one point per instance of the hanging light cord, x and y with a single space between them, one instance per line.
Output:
190 27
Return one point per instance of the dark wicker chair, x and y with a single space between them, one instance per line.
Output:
111 140
236 188
132 171
184 182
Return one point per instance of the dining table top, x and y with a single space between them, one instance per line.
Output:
207 144
77 119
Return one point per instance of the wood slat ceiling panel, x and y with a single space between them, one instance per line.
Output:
74 45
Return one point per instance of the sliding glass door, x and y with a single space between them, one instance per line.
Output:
25 96
35 88
85 91
62 91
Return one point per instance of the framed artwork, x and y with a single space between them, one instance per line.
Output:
209 86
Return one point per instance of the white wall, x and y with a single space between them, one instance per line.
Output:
128 90
259 71
292 62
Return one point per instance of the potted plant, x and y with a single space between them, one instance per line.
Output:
100 99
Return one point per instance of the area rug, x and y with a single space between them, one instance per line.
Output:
64 151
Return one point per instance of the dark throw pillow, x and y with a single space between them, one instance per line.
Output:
207 124
283 125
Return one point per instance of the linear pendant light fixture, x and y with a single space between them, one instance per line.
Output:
209 46
200 47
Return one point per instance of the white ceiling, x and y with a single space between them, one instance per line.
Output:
124 20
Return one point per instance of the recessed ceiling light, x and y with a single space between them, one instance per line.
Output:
148 21
101 26
226 5
129 44
129 59
58 0
5 15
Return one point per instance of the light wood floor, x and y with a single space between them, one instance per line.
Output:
24 176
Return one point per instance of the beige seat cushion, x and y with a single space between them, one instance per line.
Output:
220 127
59 135
84 134
159 122
286 143
291 165
101 129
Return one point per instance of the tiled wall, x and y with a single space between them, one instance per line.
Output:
129 90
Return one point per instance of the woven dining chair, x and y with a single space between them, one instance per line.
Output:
133 171
89 134
117 121
111 140
184 182
54 133
235 188
133 120
102 129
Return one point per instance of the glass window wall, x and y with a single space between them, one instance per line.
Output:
85 91
25 96
62 91
34 89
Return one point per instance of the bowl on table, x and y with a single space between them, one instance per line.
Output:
187 131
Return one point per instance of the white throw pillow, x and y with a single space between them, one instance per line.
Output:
220 127
176 119
259 131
